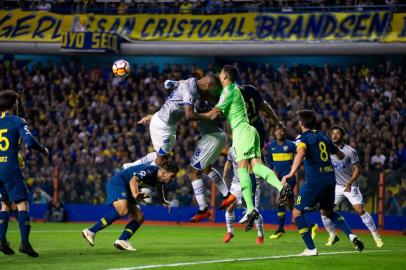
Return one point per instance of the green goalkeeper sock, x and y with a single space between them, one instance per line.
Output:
246 188
267 174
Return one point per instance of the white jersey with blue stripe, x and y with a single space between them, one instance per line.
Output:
186 94
343 168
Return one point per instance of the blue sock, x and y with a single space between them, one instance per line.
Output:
24 224
130 229
339 221
254 185
105 221
304 230
281 217
4 216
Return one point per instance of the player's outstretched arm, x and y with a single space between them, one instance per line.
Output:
29 139
300 154
134 188
267 109
190 114
145 120
161 194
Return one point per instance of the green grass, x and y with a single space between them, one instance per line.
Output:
62 247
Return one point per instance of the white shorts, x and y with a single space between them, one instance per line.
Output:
354 196
163 135
235 189
208 150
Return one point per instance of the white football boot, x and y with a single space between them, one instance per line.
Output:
89 236
124 245
309 252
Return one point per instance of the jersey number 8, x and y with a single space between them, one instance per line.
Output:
323 151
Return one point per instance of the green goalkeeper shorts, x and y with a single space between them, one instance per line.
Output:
246 142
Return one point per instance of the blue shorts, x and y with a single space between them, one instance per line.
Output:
310 195
117 190
14 190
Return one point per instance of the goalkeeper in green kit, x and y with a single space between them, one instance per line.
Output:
246 142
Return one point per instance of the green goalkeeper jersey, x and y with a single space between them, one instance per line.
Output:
232 105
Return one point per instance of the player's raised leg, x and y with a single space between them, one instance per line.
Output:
4 219
136 220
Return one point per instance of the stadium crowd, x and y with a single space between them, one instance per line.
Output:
87 118
192 6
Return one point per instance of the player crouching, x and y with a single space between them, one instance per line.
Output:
123 193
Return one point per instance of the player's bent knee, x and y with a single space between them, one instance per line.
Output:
359 209
193 174
121 207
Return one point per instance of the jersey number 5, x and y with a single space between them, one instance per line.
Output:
4 142
323 151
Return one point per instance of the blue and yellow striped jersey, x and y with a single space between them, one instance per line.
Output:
280 156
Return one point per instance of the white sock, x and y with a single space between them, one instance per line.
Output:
230 218
198 188
369 222
148 159
352 236
259 224
218 181
329 226
257 197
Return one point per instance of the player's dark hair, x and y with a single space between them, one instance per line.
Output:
308 118
170 166
232 72
8 99
214 80
340 128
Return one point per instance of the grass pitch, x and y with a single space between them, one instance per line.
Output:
61 246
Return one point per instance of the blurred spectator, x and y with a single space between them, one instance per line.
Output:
185 7
122 8
378 160
44 6
41 196
391 205
172 199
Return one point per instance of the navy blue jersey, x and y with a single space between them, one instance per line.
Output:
317 162
13 129
280 156
253 99
147 175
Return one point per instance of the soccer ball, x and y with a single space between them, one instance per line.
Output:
121 68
